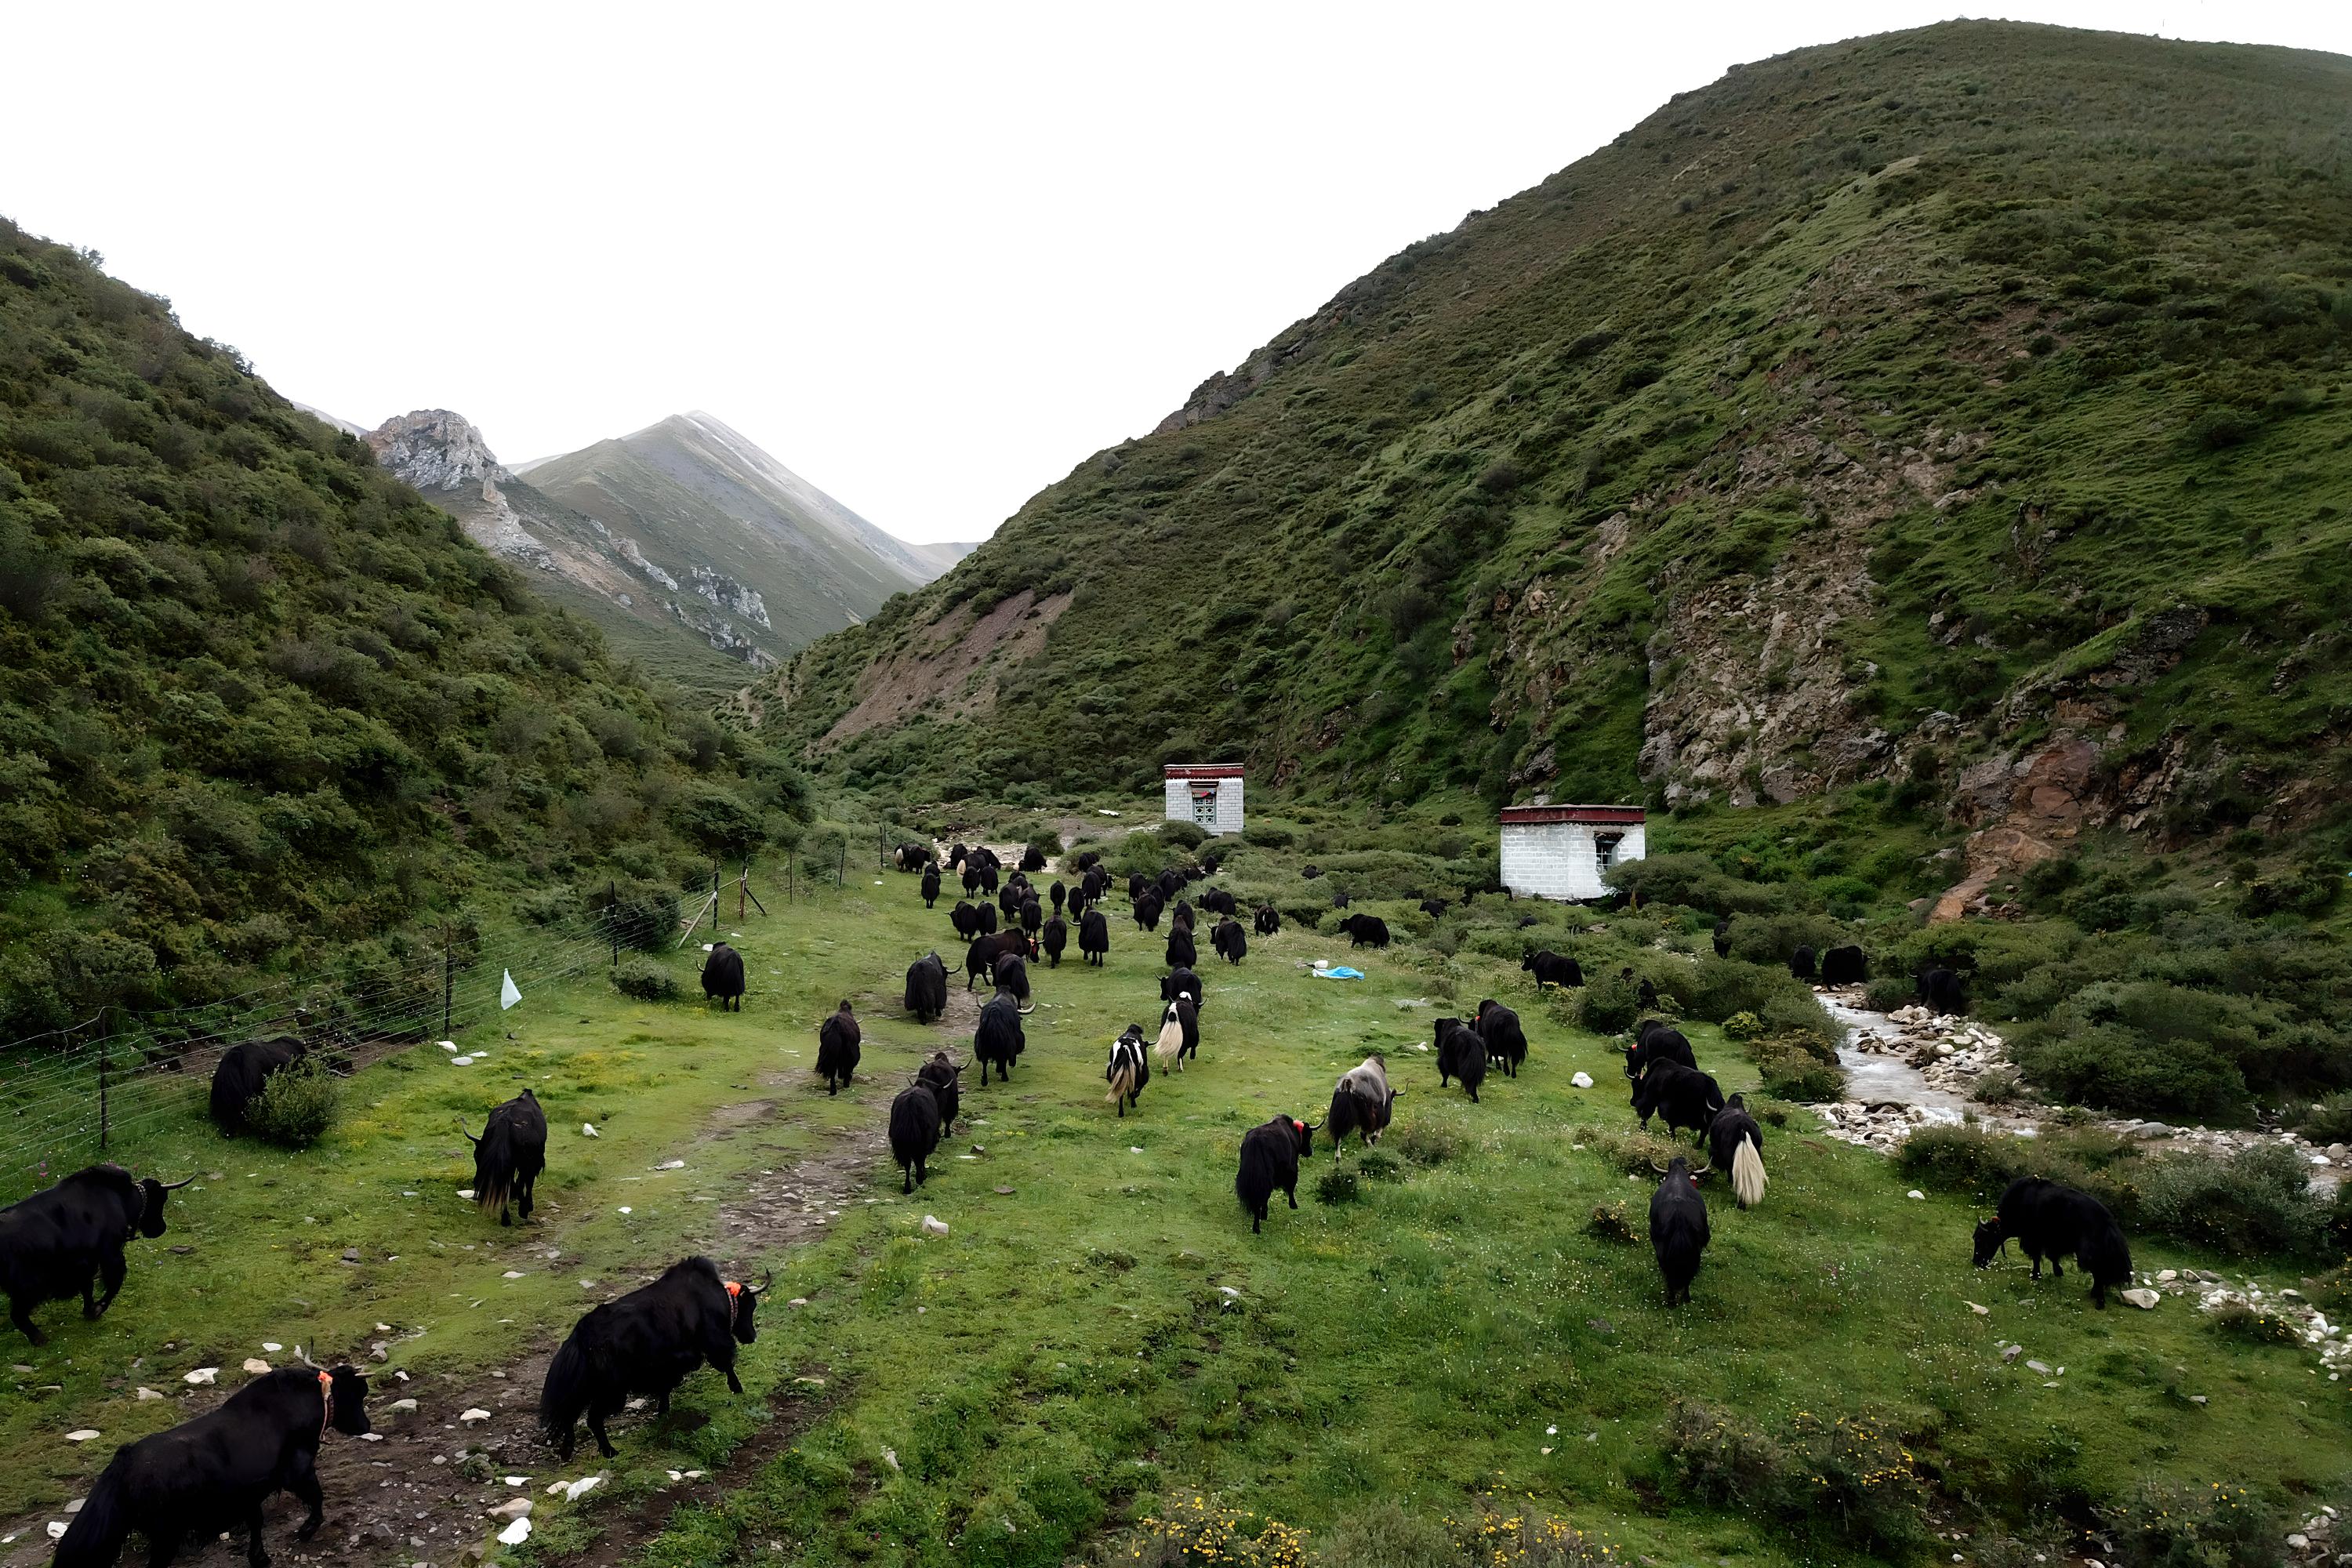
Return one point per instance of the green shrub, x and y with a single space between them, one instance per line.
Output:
296 1105
1386 1536
646 979
1423 1142
1788 1070
1889 991
2221 1525
1265 834
1182 835
1612 1222
1337 1187
1850 1479
2255 1201
2328 1120
1609 1005
1968 1159
1376 1165
2251 1325
2000 1086
1743 1026
1799 1016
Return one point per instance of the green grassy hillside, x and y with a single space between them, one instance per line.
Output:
1938 408
260 707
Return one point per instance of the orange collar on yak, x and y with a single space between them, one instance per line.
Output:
326 1404
734 1287
1298 1126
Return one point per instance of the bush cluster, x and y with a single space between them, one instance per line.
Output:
646 979
296 1106
1849 1479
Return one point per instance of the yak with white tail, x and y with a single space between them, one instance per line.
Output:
1735 1143
1362 1102
1180 1033
1130 1068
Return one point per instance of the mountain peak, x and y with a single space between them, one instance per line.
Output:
434 450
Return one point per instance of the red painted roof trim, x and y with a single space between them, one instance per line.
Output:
1615 815
1202 770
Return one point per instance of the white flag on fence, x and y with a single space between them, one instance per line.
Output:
509 994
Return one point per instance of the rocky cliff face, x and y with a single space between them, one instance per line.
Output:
449 463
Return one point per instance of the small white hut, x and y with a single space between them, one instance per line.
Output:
1561 851
1206 794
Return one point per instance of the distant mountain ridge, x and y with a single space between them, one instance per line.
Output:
684 527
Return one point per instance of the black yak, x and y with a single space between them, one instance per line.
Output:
1181 954
1184 982
1146 911
988 876
1171 882
1231 942
1011 973
722 977
1459 1054
1136 883
930 886
986 914
509 1154
211 1475
1033 917
1055 940
1310 872
1270 1156
1723 939
1130 1068
1685 1096
2051 1220
1180 1033
1655 1040
1433 907
646 1342
837 1042
241 1072
914 857
1506 1042
1735 1143
943 1075
63 1240
1094 936
999 1039
914 1132
1008 902
1059 894
1269 919
971 878
1183 915
980 958
1367 930
1678 1228
1550 968
1362 1102
1800 963
927 988
1219 901
1845 966
965 918
1339 900
957 855
1939 992
1032 859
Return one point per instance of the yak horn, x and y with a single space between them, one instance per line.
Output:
176 1186
461 1127
1660 1169
1702 1171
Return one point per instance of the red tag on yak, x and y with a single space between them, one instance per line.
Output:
734 1287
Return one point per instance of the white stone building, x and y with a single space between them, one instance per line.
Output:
1207 795
1560 851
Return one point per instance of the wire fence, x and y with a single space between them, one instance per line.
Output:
72 1095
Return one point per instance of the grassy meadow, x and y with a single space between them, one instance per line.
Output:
1107 1342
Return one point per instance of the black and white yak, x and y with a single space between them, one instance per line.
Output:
1269 1164
64 1240
1461 1054
1180 1033
1269 919
2048 1219
1735 1143
1678 1227
1130 1068
927 988
646 1344
509 1155
838 1040
916 857
1361 1103
206 1477
1506 1043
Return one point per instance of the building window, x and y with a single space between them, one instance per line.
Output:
1604 849
1204 804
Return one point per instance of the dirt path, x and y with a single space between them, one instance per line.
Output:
410 1499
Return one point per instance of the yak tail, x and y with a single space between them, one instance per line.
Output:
1342 1118
564 1398
1170 1044
1122 1079
493 1162
1747 1173
94 1538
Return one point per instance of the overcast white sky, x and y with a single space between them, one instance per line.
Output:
931 257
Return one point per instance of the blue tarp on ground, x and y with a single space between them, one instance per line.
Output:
1340 973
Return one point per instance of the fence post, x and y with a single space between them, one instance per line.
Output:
842 869
102 1108
714 895
449 981
612 918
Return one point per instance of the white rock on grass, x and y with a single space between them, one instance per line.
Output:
144 1394
256 1365
513 1507
84 1436
588 1129
477 1414
935 1225
402 1405
515 1534
1582 1080
2143 1299
576 1490
202 1375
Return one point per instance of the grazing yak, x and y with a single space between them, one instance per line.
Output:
916 857
241 1072
1032 859
1219 901
1130 1068
1055 940
1657 1041
2048 1219
1723 939
1459 1054
1362 1102
1172 883
1270 1156
1146 911
837 1042
980 958
646 1343
1845 966
509 1155
1181 954
927 988
1010 973
1550 968
1180 1033
59 1242
1685 1096
1939 992
1366 931
956 854
1008 902
1339 900
1310 872
1433 907
1801 963
999 1039
1735 1143
1678 1228
1094 937
930 886
1231 942
915 1130
206 1477
1182 983
1269 919
1506 1042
